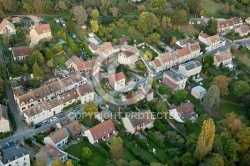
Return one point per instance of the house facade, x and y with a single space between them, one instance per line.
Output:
223 57
190 68
243 30
128 55
104 131
174 80
20 53
138 121
14 154
211 42
58 139
183 112
224 25
74 129
40 32
78 64
7 28
117 81
4 119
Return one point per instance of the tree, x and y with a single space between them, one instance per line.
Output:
57 48
194 6
221 82
114 11
80 14
191 142
116 146
90 108
48 54
208 61
173 41
188 159
41 161
95 14
203 13
211 27
214 160
25 68
28 6
240 89
225 9
62 35
86 153
166 22
161 106
1 87
134 163
147 22
180 95
57 162
37 72
148 56
70 25
155 37
233 123
156 164
230 150
158 3
69 162
211 99
94 25
42 6
73 46
180 17
50 63
61 6
206 139
3 70
243 139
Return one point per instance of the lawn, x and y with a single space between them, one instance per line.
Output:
188 29
154 54
178 35
128 31
225 108
76 150
89 122
81 33
212 8
60 60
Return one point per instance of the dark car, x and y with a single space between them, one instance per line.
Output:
37 126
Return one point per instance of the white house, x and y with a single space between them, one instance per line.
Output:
40 32
86 93
184 42
174 80
50 153
190 68
128 55
117 81
20 53
137 121
58 139
224 25
211 42
198 92
104 131
14 154
183 112
7 28
223 57
4 120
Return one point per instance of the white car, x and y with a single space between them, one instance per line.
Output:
54 118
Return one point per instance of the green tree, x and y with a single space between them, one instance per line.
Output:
180 17
50 63
94 25
166 22
25 68
1 87
80 14
155 37
116 146
3 70
70 25
194 6
134 163
214 160
86 153
147 22
69 162
180 95
161 106
28 6
240 89
57 162
48 54
37 72
90 108
73 46
188 159
42 6
221 82
243 139
205 140
211 99
148 56
174 39
57 48
203 13
158 3
211 27
62 35
208 61
230 150
95 14
191 142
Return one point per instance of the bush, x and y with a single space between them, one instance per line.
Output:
164 90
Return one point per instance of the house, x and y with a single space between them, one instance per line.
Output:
105 50
14 154
74 129
20 53
86 93
243 30
224 25
128 55
4 120
184 42
211 42
247 20
198 92
190 68
143 92
174 80
7 28
104 131
57 139
137 121
16 20
124 40
117 81
50 153
183 112
69 97
40 32
78 64
223 57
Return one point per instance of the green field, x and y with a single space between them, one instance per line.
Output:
211 7
128 31
60 60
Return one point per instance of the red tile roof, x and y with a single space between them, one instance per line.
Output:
43 28
102 129
169 83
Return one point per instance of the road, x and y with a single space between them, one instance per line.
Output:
11 102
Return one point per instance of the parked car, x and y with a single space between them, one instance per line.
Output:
45 121
51 120
37 126
54 118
